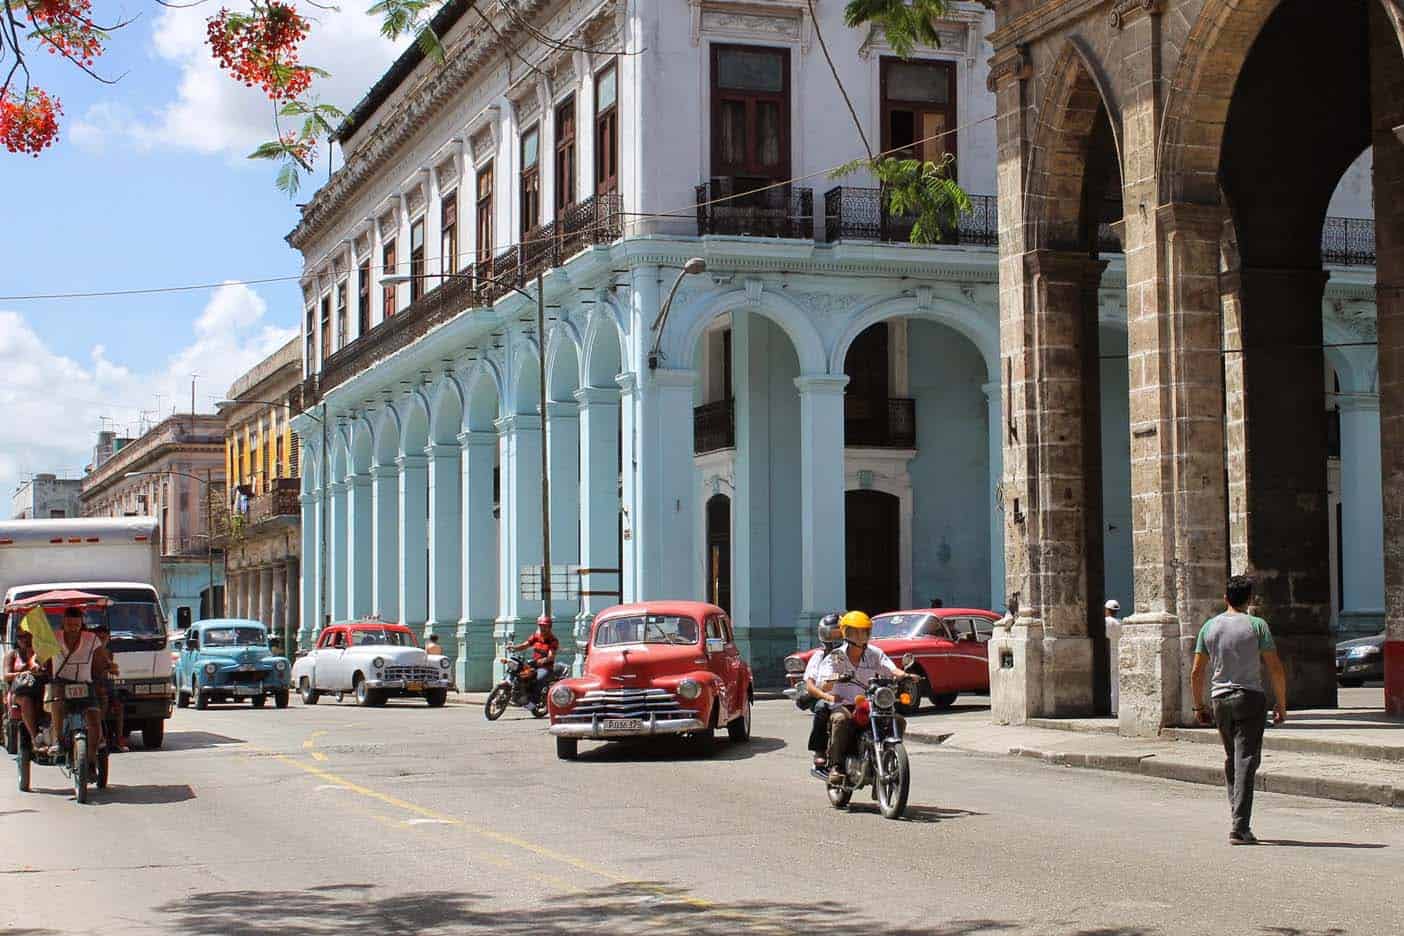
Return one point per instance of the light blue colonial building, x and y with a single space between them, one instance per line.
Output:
810 427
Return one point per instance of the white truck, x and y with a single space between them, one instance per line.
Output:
119 558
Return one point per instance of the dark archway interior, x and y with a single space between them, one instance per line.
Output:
1299 116
873 521
718 571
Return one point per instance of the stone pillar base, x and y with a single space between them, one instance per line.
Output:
1310 661
476 652
1149 674
1017 672
1394 677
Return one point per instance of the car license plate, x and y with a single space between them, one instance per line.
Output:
621 724
416 687
247 690
247 667
75 691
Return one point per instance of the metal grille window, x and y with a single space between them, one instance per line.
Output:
416 260
531 179
607 130
565 154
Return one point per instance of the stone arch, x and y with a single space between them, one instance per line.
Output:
604 351
362 444
311 467
446 411
414 424
961 318
562 362
340 453
526 370
386 440
484 397
792 319
1067 117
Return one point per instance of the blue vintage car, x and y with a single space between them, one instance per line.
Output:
227 659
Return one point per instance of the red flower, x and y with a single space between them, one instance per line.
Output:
29 124
261 48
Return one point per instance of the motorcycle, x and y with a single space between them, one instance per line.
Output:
72 754
878 756
518 688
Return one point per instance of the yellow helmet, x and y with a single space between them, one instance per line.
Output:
856 620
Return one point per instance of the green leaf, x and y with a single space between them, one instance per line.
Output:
273 149
289 180
430 45
904 23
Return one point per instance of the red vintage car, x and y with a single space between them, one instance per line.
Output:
950 646
655 668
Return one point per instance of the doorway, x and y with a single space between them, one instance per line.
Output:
717 575
871 536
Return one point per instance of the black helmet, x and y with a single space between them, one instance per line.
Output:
829 629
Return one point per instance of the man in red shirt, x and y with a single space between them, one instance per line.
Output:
543 645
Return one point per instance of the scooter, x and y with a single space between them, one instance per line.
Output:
72 754
878 757
519 688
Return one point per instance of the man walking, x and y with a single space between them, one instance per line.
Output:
1237 646
1111 609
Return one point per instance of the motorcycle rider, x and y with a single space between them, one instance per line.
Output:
82 654
819 732
861 662
544 646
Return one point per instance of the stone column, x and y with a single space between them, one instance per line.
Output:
310 613
414 540
480 562
265 596
666 486
758 635
1387 132
995 421
1362 514
277 614
563 464
385 537
599 501
231 595
337 554
628 484
291 581
822 560
519 542
445 545
360 517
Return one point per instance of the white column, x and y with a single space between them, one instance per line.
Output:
750 534
666 488
265 596
599 500
520 540
277 614
360 517
414 540
821 497
311 613
480 562
377 301
290 585
433 263
337 555
445 544
1362 510
995 423
628 484
385 582
563 437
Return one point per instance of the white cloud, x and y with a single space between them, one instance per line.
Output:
54 404
214 114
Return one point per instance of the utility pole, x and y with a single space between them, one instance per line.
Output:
209 537
545 452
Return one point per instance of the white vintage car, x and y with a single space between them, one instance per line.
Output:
373 661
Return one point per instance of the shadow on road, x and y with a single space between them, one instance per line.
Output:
1292 843
627 907
655 750
195 740
915 812
16 812
143 795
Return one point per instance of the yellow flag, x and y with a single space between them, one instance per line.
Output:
46 645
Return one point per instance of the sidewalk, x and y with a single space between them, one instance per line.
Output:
1352 754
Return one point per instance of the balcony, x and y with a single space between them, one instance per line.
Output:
724 207
879 422
714 426
1348 242
597 220
278 506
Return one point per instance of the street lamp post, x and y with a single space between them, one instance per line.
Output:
209 521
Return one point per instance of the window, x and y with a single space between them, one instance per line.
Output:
750 113
311 339
363 298
531 178
565 154
607 130
416 260
918 102
484 212
341 322
278 457
326 326
387 268
448 224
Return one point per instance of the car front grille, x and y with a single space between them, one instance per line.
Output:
627 703
416 673
239 676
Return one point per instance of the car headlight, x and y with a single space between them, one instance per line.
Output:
794 664
280 666
210 669
443 662
1357 653
689 689
378 662
884 697
561 696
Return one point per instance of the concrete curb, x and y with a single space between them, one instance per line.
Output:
1283 740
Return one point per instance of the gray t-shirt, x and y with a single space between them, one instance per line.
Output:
1235 643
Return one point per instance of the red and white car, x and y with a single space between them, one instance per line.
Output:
950 646
655 668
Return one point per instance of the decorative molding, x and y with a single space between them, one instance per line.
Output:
525 98
755 19
362 246
1123 10
1012 64
484 144
416 200
957 33
388 223
754 288
447 173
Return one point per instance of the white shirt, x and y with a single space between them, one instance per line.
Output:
872 663
811 669
78 665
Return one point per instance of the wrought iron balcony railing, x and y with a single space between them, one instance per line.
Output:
726 207
1348 242
714 426
879 422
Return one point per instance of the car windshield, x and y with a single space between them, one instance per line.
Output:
647 628
235 637
393 638
124 619
898 625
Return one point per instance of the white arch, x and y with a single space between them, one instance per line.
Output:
413 413
362 443
485 378
563 334
964 319
784 312
525 362
595 335
446 410
385 439
1358 367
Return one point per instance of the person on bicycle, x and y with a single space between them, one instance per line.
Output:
844 675
543 646
22 659
80 656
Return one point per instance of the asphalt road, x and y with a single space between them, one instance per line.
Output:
333 819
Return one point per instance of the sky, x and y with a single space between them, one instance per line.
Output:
149 186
